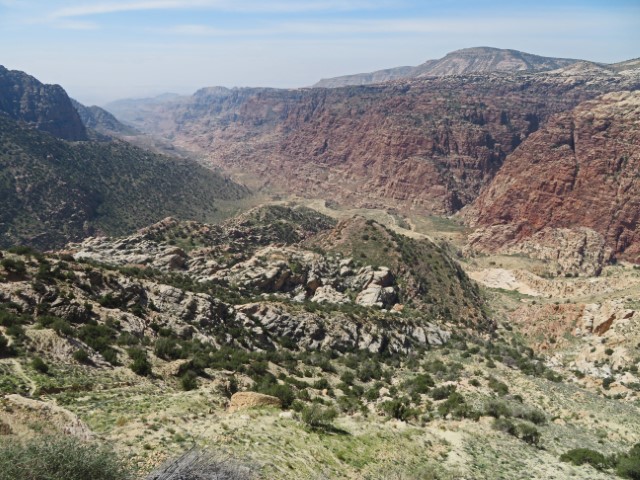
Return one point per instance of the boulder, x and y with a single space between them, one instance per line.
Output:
246 400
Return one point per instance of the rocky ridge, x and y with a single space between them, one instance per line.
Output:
460 62
275 287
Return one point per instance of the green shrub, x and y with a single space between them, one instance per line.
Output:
505 425
14 266
628 465
140 365
497 386
284 392
528 433
4 345
167 349
318 417
189 381
497 409
59 458
81 356
39 365
440 393
580 456
398 408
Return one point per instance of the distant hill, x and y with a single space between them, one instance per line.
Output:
459 62
101 121
47 107
53 191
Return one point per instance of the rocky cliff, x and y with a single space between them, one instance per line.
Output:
47 107
571 190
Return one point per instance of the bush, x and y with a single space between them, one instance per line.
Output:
398 409
4 345
284 392
39 365
317 417
81 356
505 425
440 393
59 458
14 266
528 433
498 387
189 381
628 466
167 349
580 456
140 365
202 465
497 409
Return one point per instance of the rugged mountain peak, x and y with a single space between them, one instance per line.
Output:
488 59
47 107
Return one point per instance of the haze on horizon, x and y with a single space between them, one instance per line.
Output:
100 51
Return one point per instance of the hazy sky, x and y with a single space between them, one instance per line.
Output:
103 50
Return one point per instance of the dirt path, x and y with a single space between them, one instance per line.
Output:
17 366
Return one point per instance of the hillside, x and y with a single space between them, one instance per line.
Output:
570 191
54 191
478 60
146 341
101 121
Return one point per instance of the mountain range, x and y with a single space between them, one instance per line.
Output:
459 62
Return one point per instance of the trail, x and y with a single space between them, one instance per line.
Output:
21 373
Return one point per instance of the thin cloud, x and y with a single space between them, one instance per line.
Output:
400 26
222 5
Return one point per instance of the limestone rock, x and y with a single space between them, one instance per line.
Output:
246 400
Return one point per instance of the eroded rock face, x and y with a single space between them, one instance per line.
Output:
571 191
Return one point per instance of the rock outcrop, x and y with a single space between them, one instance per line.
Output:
570 192
246 400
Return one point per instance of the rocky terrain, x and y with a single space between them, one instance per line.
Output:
461 62
569 192
234 334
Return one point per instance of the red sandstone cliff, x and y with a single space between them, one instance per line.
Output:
574 184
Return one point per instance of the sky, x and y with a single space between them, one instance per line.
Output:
104 50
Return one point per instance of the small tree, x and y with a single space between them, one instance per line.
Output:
317 417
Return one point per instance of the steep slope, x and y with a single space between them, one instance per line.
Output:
571 190
101 121
47 107
53 191
461 62
429 144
